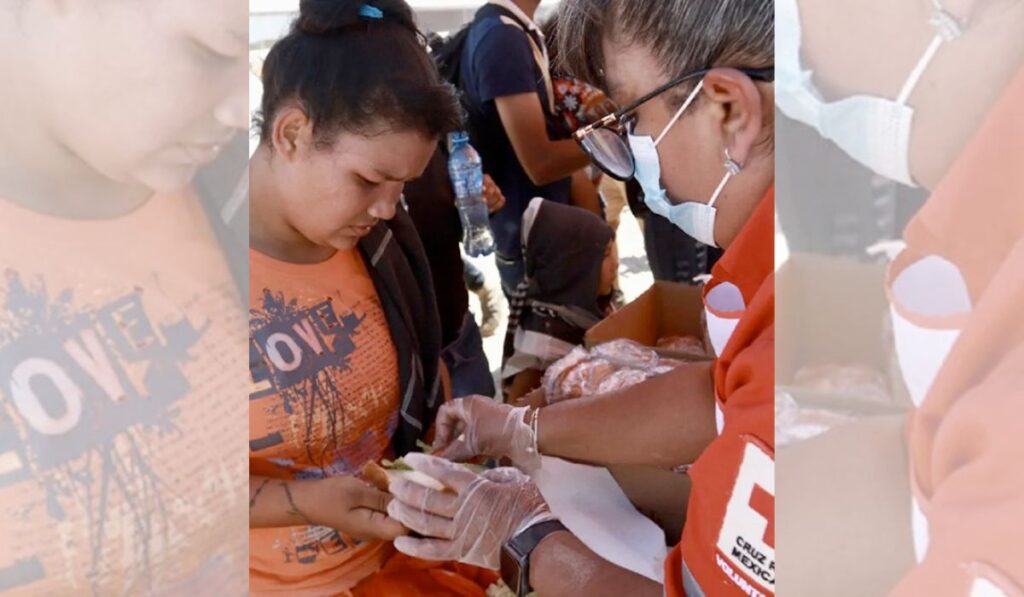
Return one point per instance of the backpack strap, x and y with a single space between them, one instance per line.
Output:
540 56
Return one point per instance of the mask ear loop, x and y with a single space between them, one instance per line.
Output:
732 168
679 113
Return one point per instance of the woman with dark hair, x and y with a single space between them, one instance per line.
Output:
694 79
345 340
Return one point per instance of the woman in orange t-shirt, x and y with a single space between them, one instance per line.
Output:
344 332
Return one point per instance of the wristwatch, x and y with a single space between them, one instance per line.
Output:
515 555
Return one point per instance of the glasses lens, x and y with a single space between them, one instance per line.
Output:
610 152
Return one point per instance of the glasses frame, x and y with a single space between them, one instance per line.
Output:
615 118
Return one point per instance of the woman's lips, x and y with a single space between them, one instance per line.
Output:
194 154
360 231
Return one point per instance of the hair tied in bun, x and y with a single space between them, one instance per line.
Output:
324 17
370 12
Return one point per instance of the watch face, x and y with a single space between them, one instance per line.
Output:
511 570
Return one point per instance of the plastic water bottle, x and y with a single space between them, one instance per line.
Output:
467 176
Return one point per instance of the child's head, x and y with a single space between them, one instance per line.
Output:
569 253
353 107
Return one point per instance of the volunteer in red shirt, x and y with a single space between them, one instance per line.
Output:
963 438
698 110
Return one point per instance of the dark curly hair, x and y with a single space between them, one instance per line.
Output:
356 73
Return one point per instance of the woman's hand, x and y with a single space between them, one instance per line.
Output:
477 425
493 195
471 524
357 509
343 503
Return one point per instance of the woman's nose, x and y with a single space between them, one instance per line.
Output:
233 110
386 206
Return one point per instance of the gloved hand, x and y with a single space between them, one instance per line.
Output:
471 525
477 426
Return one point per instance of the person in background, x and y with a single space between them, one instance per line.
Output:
578 104
345 338
476 282
700 111
506 82
570 267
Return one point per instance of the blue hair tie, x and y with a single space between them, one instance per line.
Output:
370 12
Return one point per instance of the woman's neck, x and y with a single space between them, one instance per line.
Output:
746 192
269 231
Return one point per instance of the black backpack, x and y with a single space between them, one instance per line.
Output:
447 52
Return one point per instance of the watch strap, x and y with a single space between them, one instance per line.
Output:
522 545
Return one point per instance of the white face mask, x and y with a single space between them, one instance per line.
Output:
693 218
874 131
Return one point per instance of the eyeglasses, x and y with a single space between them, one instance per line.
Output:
605 140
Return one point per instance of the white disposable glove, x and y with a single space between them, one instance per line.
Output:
479 426
470 525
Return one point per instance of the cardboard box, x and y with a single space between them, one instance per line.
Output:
830 310
665 309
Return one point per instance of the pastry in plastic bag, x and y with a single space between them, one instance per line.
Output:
608 367
585 378
557 372
859 380
794 423
688 345
623 378
626 353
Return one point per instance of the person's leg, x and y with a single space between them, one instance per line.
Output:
476 282
474 276
467 363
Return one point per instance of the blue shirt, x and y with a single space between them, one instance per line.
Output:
498 61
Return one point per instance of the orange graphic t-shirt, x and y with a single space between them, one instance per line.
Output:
122 376
324 401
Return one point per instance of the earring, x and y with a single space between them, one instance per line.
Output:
731 166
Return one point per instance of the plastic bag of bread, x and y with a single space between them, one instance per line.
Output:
794 423
626 353
686 345
861 381
608 367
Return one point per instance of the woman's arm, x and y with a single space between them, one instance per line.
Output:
583 193
665 421
562 565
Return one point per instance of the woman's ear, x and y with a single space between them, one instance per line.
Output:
292 132
739 107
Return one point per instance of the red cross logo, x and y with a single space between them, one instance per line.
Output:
763 503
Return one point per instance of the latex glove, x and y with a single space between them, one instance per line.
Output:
471 525
477 425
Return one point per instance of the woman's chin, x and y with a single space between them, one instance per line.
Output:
343 242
